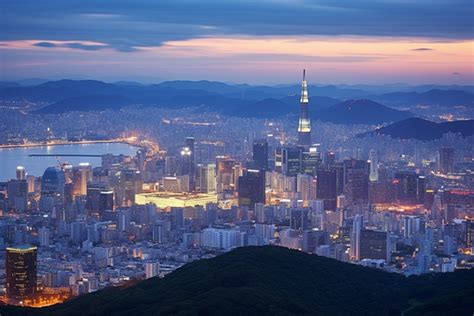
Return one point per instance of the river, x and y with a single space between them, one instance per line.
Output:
10 158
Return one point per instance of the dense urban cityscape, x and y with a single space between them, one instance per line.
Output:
204 185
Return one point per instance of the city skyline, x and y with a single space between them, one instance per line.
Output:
237 157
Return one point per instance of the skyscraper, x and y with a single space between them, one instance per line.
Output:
260 154
81 176
356 181
374 170
289 160
409 187
20 173
326 188
52 188
252 188
207 178
21 269
357 226
373 244
304 125
446 160
190 144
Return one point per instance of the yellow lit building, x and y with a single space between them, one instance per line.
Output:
168 199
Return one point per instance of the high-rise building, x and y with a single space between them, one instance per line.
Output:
289 160
251 188
260 154
93 196
52 188
374 169
190 146
329 159
305 185
17 191
356 181
20 173
81 174
446 160
310 161
44 236
304 124
326 188
409 187
225 178
357 226
140 159
106 201
373 244
21 271
313 239
207 178
152 269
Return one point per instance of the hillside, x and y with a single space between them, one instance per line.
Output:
359 112
417 128
274 281
86 103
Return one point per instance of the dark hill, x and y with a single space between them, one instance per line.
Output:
86 103
359 112
417 128
274 281
272 108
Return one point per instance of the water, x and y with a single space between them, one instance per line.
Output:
10 158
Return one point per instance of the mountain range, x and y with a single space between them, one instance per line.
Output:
328 103
273 280
416 128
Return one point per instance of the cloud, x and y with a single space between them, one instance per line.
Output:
45 44
123 24
83 46
77 45
456 73
422 49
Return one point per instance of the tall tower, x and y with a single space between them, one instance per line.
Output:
304 124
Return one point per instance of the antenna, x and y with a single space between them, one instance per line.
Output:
304 74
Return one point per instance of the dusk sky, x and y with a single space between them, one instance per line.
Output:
264 42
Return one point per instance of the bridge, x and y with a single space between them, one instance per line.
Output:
64 155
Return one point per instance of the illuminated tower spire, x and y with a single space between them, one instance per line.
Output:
304 124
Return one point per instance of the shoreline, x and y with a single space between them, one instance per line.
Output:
64 143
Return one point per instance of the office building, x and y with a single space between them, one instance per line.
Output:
251 188
446 160
207 178
260 155
373 244
21 271
20 173
374 168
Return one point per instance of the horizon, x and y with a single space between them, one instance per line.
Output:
38 80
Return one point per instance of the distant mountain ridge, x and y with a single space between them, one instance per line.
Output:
237 100
359 112
272 280
417 128
434 97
